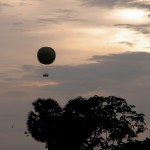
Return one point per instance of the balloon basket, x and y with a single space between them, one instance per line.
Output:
45 75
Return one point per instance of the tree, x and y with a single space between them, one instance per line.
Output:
44 122
78 125
117 122
145 144
98 122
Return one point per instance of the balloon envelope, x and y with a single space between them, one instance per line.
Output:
46 55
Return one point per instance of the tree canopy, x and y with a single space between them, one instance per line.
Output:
145 144
99 122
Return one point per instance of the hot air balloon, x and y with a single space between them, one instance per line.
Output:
46 56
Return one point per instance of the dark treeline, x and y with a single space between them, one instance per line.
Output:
103 123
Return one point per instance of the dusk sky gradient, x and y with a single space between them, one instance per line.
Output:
102 47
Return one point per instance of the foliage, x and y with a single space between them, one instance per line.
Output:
97 122
117 122
145 144
43 123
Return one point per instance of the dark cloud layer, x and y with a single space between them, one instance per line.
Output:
118 3
117 74
126 75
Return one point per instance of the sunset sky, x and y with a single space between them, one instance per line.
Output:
102 48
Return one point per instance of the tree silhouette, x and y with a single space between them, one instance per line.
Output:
78 124
44 122
99 122
117 122
145 144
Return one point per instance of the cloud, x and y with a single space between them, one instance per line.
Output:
125 75
29 2
117 74
4 5
60 16
108 72
130 44
140 28
118 3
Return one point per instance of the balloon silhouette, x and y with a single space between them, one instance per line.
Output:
46 55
